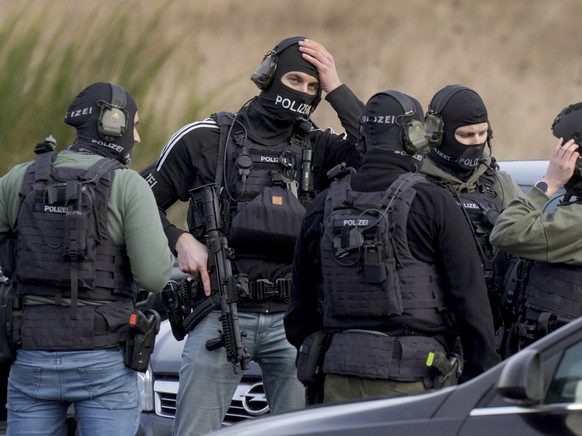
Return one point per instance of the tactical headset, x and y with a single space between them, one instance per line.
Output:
435 126
415 136
263 77
113 117
434 123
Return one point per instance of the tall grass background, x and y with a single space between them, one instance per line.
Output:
44 64
183 60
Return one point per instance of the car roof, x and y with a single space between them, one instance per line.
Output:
525 172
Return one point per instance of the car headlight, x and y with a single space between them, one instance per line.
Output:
145 389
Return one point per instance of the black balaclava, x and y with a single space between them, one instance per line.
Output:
279 106
382 126
463 108
83 114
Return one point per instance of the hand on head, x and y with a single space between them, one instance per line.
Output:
318 55
562 165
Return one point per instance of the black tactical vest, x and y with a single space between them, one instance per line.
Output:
369 273
368 268
64 253
482 207
553 297
555 288
266 190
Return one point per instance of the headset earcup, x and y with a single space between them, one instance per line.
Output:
266 71
416 141
113 118
434 126
408 146
264 75
112 123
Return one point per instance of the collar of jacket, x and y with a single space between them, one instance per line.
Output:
432 169
378 158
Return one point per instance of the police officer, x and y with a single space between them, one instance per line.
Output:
550 240
85 234
268 161
460 160
382 268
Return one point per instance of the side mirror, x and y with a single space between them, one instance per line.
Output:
521 381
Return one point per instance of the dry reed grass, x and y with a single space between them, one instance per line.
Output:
521 56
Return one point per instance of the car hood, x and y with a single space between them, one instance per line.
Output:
344 419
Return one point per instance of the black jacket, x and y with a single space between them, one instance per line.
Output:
189 160
437 232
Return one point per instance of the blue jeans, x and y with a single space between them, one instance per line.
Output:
208 382
43 384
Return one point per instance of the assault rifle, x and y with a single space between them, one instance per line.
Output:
226 287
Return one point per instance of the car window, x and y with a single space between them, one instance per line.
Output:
566 385
525 173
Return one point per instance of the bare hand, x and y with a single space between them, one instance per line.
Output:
193 259
318 55
562 165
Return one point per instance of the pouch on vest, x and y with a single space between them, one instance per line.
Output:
360 265
310 357
7 295
55 223
7 257
61 223
272 220
75 246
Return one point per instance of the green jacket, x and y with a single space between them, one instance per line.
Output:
133 218
525 230
503 184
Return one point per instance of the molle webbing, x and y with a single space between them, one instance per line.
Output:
481 207
375 355
409 287
555 288
112 279
261 202
276 165
48 250
50 327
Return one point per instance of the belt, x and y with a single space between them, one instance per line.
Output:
263 289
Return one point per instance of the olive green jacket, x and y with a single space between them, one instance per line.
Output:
503 184
525 230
